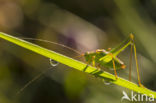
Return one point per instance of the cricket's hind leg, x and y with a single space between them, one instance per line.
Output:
130 63
136 59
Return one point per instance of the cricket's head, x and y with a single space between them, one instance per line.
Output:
87 56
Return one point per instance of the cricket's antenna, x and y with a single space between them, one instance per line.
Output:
34 39
34 79
81 55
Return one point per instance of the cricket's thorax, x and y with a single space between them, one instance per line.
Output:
96 55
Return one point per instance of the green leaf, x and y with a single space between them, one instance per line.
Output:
77 64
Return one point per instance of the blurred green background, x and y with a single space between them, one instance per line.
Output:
84 25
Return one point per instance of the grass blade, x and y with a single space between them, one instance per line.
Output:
76 64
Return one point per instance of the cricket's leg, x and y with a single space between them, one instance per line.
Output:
98 66
136 59
88 62
114 69
131 39
93 61
130 63
137 67
115 73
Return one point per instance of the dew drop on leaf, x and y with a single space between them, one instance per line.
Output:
106 82
53 62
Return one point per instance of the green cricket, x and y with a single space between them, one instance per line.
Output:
109 58
101 57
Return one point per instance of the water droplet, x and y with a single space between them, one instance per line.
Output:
107 82
53 62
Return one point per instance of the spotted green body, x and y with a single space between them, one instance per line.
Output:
95 56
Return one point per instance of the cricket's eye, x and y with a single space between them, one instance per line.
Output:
123 66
